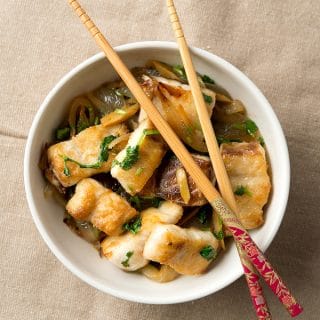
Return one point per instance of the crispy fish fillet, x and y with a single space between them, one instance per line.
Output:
105 209
175 102
247 167
180 248
116 248
151 151
85 149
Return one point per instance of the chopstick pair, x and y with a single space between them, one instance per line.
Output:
252 278
241 236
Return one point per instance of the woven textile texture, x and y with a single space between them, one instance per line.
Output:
276 43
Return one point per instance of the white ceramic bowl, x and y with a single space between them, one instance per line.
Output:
80 257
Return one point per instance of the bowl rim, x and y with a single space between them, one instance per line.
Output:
83 65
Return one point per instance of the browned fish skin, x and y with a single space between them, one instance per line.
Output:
180 248
115 248
104 208
84 148
247 166
151 151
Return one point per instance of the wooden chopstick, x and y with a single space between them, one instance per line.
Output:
223 180
212 195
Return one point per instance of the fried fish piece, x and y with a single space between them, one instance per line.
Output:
84 148
151 149
116 248
247 169
105 209
187 251
175 102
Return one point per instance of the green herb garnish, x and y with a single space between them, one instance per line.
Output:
132 152
135 200
207 99
104 149
207 79
204 214
133 226
242 190
146 133
63 134
221 140
66 170
125 262
208 253
132 156
219 235
103 156
82 125
152 201
143 202
250 127
180 72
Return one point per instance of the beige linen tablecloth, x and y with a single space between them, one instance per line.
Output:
276 43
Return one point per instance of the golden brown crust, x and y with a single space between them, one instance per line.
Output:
111 212
180 248
105 209
151 151
84 148
247 166
116 248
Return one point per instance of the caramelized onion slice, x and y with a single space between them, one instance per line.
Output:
164 69
164 274
77 114
119 115
182 181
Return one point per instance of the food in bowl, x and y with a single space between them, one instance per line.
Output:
125 191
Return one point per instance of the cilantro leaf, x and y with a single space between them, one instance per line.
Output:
250 127
132 156
207 79
125 262
219 235
103 156
133 226
180 72
63 134
208 252
207 99
242 190
222 139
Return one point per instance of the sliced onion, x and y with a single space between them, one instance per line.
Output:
117 117
123 138
236 106
106 99
164 274
182 181
77 108
164 69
